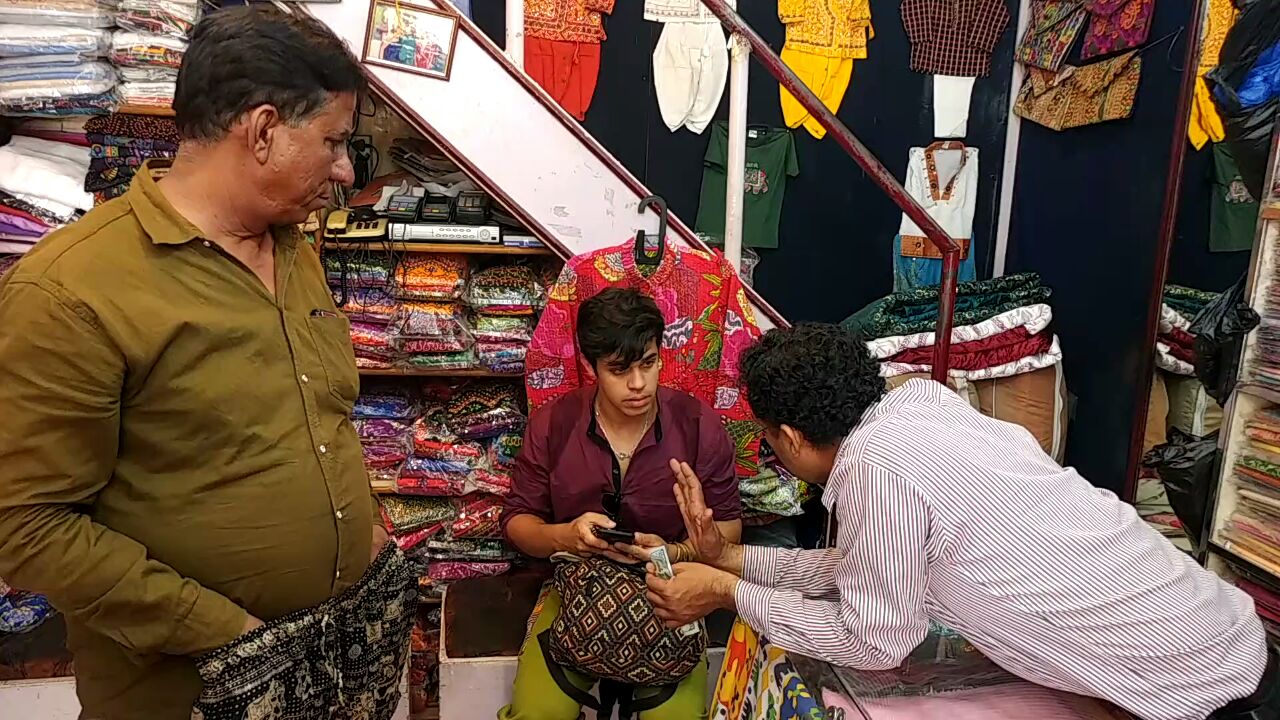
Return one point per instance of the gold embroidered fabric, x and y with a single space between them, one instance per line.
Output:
1076 96
566 20
830 28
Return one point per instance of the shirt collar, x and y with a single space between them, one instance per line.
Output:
842 466
162 223
593 427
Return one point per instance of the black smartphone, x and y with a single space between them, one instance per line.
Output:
614 535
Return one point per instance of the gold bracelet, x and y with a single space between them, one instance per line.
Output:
680 553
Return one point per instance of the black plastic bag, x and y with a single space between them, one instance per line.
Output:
1186 465
1220 329
1248 132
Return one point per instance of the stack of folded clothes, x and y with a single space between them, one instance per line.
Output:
439 174
119 145
148 49
1253 527
41 189
1267 603
51 57
1000 329
1175 345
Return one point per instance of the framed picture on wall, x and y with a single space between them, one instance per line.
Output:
410 37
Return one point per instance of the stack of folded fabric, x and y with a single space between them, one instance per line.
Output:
51 57
1267 602
439 174
504 300
424 664
119 145
1000 329
41 189
1253 527
148 60
1175 345
430 328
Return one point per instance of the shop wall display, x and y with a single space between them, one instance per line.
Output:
837 227
1086 216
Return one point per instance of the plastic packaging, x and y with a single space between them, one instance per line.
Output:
407 514
372 340
1248 131
476 550
148 94
19 44
507 358
431 327
370 305
431 277
161 17
450 570
135 49
1186 468
505 290
464 360
381 431
437 478
346 271
478 517
384 405
65 13
503 450
485 410
492 482
431 440
22 83
502 328
384 457
148 75
1219 329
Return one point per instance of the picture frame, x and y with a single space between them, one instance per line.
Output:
410 37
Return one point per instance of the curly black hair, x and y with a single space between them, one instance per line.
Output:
817 378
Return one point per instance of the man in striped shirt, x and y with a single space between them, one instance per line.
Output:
947 515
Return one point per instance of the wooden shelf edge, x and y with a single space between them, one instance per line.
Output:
1258 564
460 248
145 110
432 372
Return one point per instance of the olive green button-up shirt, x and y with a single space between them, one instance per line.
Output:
176 447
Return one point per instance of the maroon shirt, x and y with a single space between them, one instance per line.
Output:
566 467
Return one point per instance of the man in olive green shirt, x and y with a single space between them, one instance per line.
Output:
176 460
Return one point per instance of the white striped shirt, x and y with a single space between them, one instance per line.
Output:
947 515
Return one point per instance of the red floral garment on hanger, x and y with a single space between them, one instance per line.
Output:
709 324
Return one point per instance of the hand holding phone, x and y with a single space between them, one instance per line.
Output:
614 535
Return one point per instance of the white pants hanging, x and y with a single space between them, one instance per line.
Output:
690 67
951 105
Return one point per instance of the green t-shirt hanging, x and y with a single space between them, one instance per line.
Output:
1233 213
771 159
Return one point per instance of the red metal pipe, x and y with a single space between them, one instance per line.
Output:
845 138
1164 242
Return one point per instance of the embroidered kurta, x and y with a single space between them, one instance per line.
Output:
830 28
566 20
709 324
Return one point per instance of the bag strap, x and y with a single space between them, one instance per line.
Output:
611 693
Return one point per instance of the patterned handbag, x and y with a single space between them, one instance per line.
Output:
1079 96
1116 26
607 628
1053 27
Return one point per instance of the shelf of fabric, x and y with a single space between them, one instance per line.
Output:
1263 567
460 248
145 110
432 372
1270 211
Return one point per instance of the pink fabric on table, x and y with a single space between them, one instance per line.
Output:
1018 700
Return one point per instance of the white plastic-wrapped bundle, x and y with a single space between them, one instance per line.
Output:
73 13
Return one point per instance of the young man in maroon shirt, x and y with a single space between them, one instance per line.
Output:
601 456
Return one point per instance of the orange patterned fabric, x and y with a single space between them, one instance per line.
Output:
566 20
830 28
1077 96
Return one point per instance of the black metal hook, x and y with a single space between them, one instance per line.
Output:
642 257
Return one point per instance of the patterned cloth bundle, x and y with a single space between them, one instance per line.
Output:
118 147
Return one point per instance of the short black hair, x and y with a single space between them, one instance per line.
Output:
617 324
817 378
243 57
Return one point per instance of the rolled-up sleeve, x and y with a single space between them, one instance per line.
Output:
531 477
715 469
61 380
879 615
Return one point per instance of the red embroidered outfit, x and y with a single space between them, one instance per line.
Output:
709 324
562 48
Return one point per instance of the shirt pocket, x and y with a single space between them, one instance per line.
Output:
332 337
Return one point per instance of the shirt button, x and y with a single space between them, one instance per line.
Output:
337 574
339 514
208 244
304 378
323 449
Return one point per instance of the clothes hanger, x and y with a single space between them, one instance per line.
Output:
642 253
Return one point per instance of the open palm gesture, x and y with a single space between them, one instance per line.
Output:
704 535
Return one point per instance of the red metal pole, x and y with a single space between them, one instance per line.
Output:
949 248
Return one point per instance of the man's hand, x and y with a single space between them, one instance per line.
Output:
250 624
578 537
705 540
692 594
645 544
380 538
